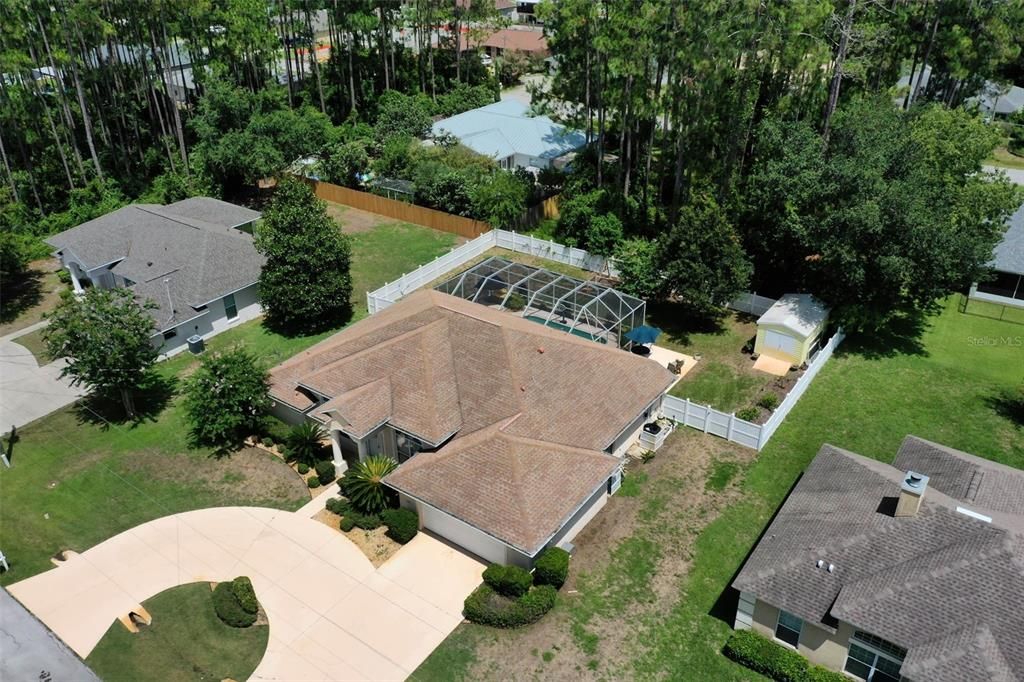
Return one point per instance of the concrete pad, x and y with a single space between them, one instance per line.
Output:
332 615
774 366
381 623
350 650
28 391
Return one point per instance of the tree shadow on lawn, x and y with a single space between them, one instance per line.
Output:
1009 404
21 295
151 399
677 322
901 335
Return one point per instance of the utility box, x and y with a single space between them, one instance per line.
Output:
196 345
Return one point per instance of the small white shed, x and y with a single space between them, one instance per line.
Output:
791 329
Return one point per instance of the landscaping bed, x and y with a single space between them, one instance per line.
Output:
375 544
186 641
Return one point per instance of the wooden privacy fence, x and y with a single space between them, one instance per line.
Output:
729 426
400 210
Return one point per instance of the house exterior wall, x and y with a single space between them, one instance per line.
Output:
632 432
816 644
287 413
213 321
459 532
803 346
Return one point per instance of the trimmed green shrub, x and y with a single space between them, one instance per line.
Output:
769 401
313 482
347 523
403 524
510 581
268 441
748 414
338 505
303 468
246 596
325 471
364 521
551 568
487 607
762 655
228 607
363 484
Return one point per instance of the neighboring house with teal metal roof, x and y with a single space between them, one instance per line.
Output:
505 132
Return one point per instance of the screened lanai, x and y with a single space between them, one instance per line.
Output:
587 309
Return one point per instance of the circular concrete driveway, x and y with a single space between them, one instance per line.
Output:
332 615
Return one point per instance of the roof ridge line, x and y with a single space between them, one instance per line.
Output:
383 344
168 215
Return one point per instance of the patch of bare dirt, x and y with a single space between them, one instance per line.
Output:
375 544
353 220
669 509
260 475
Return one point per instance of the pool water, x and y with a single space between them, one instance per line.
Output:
565 328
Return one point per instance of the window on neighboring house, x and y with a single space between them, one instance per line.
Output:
170 334
230 309
873 659
788 628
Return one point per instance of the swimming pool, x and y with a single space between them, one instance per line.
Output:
566 328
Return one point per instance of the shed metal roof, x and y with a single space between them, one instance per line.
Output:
799 313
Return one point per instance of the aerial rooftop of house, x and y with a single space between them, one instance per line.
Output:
505 128
1009 253
181 256
944 582
521 418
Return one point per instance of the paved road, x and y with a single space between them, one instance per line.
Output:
28 649
332 615
1015 174
28 391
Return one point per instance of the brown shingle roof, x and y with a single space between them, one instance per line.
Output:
531 407
516 489
915 581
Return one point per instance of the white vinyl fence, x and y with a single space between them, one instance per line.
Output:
752 304
729 426
520 243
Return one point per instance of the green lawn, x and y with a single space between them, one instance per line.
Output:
945 386
1004 158
185 642
719 385
388 251
33 341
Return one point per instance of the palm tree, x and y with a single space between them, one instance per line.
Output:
364 485
304 442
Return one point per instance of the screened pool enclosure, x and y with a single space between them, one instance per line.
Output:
587 309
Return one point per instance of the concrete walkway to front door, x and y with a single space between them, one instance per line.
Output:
332 615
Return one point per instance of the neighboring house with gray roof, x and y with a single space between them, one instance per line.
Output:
1006 284
193 259
911 571
505 132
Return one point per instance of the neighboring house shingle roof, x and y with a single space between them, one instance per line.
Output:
799 313
1009 252
504 128
174 257
511 39
437 366
947 587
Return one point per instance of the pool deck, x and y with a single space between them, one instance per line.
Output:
664 357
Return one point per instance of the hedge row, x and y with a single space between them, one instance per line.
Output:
487 607
551 568
403 524
762 655
233 600
508 581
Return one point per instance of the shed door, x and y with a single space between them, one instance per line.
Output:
774 340
462 534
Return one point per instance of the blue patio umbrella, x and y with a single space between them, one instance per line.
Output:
643 334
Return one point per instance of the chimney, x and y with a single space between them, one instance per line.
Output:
911 491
